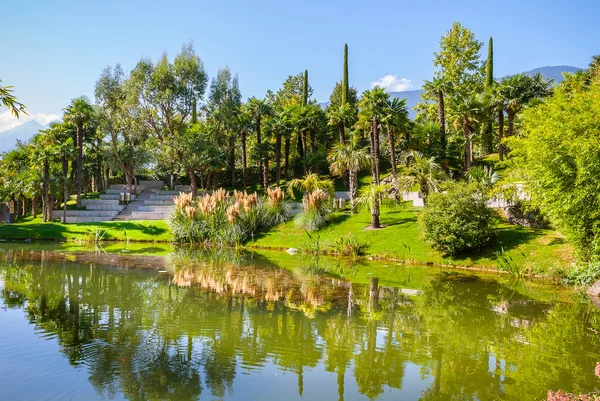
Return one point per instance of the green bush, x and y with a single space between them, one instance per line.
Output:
458 220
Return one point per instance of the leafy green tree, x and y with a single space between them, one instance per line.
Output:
558 151
80 113
121 120
166 93
224 102
349 157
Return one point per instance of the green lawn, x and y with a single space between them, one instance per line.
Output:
543 251
35 229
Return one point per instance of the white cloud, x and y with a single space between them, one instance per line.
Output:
392 83
8 121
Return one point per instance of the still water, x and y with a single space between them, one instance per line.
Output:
266 326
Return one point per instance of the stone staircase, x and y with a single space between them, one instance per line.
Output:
105 208
150 204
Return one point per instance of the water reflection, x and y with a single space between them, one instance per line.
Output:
191 326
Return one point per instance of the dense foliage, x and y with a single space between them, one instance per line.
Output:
224 219
458 220
559 152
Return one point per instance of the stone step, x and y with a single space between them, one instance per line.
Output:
86 219
159 202
105 202
109 207
162 197
152 184
149 216
154 209
84 213
113 197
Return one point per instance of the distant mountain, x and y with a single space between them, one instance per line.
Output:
553 72
412 98
23 133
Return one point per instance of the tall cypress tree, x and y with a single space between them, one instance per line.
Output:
489 65
305 89
345 85
487 136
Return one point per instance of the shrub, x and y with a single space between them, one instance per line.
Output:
458 219
316 213
224 219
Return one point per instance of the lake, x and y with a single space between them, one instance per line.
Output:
221 325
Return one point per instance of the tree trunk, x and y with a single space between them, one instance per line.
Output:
510 131
375 150
304 155
375 215
193 187
501 134
128 170
313 140
266 172
341 132
278 159
106 178
244 159
34 206
65 167
232 161
79 172
258 142
46 189
468 149
287 158
353 188
442 118
392 151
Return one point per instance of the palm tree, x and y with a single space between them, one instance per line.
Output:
495 101
79 113
280 126
437 88
395 119
310 183
244 120
259 108
419 171
465 113
518 91
8 99
340 116
348 159
372 105
373 197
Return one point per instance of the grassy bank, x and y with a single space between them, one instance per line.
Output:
34 229
543 251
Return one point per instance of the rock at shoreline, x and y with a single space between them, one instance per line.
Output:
594 290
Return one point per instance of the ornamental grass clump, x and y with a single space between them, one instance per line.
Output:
277 209
228 219
316 213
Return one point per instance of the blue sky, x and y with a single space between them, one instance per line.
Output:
53 51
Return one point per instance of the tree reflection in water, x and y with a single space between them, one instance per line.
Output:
211 317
